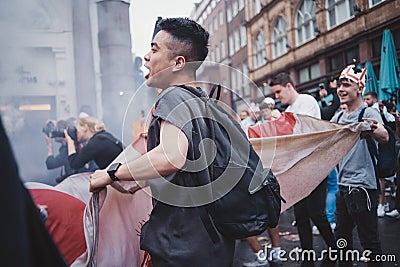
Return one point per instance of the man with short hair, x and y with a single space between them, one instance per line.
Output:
175 234
357 199
312 206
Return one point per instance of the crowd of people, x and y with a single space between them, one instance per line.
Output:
350 196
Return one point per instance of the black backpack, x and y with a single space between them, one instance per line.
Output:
254 203
385 154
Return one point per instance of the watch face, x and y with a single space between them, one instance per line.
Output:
114 167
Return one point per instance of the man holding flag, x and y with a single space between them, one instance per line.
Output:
357 199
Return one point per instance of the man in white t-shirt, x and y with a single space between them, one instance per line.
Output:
283 88
312 206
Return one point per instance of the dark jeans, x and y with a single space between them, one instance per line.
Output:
313 207
353 209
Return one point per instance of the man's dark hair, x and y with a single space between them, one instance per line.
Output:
373 94
192 39
282 78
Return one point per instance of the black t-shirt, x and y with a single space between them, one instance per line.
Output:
60 160
103 148
175 234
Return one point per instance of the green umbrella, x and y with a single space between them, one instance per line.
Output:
371 84
389 78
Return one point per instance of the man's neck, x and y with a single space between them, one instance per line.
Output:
293 98
352 107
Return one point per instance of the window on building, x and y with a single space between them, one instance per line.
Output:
235 8
209 10
340 60
336 62
235 88
339 11
231 46
246 81
260 57
256 7
243 36
239 77
229 14
309 73
279 38
210 29
217 54
212 56
213 4
375 2
237 40
215 21
221 18
241 4
351 54
223 51
305 22
376 44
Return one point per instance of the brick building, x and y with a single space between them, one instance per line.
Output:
312 40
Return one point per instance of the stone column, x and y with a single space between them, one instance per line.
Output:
83 55
116 64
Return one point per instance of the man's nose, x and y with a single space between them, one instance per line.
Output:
146 57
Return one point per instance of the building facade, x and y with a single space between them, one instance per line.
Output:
58 58
313 40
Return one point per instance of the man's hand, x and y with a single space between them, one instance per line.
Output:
374 123
98 180
378 132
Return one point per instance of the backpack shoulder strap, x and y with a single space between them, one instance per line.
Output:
361 115
339 116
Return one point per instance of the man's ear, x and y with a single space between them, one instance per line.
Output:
180 63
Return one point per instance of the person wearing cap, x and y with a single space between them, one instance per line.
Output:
357 199
270 102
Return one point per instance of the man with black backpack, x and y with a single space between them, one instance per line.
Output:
357 199
194 198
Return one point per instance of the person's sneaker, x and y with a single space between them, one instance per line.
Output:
315 230
393 214
275 263
256 263
381 210
386 207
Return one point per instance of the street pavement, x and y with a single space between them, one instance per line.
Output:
389 230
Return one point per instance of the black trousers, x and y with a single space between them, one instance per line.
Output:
357 207
313 207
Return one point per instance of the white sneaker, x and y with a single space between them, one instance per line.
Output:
386 207
380 211
256 263
315 230
393 214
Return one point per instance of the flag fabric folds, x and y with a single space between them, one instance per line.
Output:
303 156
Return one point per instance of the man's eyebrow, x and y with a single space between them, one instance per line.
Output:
155 44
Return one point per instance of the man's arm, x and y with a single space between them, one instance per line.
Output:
168 157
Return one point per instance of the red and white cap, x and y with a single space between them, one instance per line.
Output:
354 75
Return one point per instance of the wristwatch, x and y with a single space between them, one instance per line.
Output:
112 169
